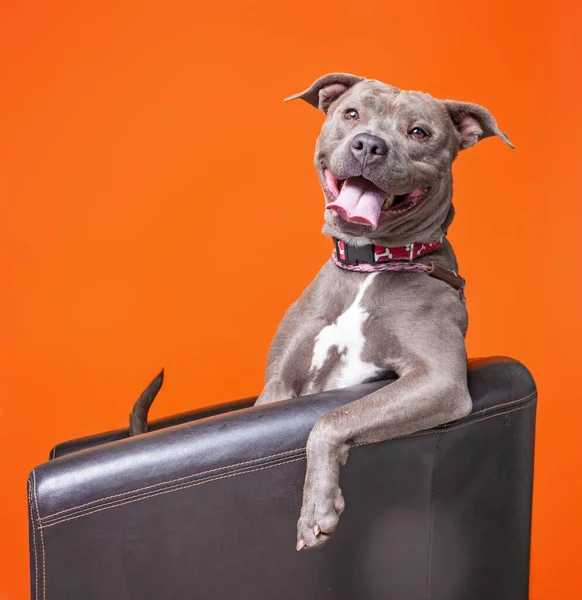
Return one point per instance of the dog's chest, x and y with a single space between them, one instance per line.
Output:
338 358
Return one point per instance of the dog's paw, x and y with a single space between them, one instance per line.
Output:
320 515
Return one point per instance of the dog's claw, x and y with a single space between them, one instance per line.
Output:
319 518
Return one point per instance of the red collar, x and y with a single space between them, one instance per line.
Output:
371 254
372 258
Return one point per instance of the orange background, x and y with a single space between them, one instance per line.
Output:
148 165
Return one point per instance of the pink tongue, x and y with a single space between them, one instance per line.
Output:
360 201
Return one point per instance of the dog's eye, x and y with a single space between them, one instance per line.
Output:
418 133
351 114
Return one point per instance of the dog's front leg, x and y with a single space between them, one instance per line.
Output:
290 354
418 400
275 390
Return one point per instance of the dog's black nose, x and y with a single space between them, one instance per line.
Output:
365 146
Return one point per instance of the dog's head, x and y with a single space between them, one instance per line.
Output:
384 156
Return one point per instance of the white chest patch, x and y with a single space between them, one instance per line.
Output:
346 334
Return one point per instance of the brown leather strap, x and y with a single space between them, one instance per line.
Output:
447 275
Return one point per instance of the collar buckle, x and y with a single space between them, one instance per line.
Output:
354 255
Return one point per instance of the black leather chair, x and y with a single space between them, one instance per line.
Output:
205 506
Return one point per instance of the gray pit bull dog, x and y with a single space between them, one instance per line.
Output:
384 159
390 300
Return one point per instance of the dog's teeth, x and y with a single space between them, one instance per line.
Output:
388 202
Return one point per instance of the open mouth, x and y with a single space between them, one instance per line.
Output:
358 200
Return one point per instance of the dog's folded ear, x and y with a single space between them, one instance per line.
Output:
327 89
473 123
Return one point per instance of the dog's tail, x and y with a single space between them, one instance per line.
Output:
138 418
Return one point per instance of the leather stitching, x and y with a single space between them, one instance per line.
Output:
154 485
33 525
431 432
184 487
461 425
510 403
432 496
41 540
